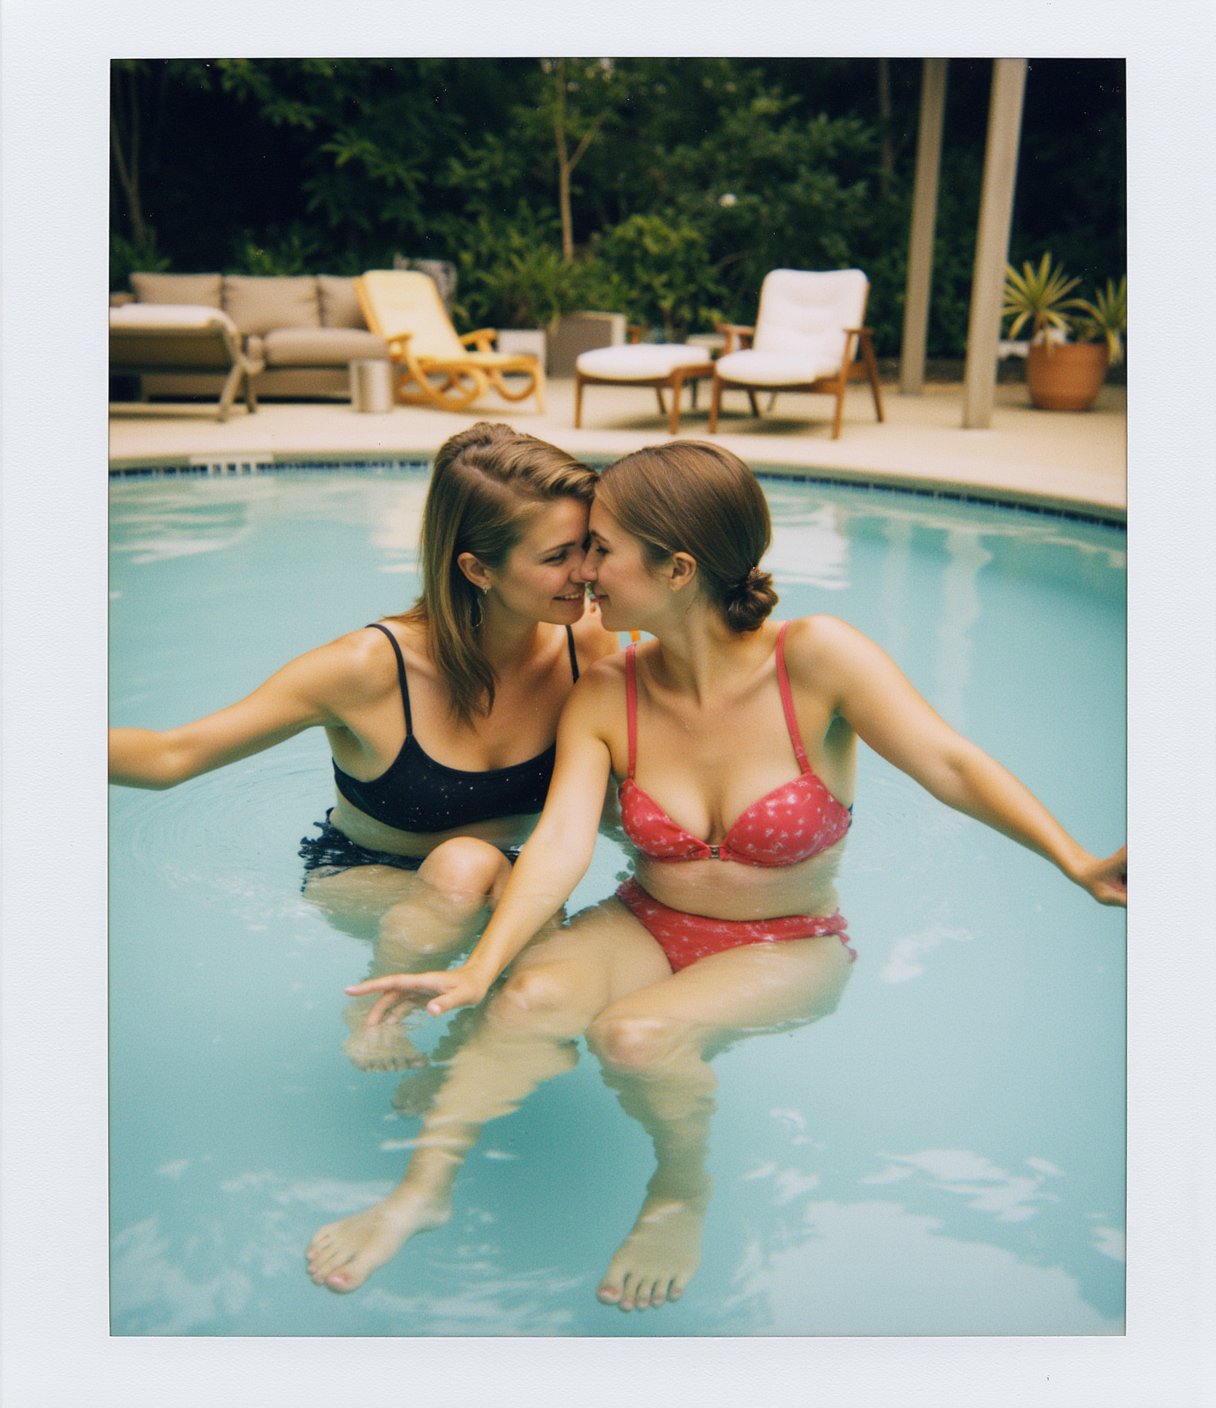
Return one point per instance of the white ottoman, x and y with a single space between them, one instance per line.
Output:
657 364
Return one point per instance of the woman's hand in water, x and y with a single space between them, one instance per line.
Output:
1105 879
401 993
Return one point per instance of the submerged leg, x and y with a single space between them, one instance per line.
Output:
418 925
526 1035
654 1044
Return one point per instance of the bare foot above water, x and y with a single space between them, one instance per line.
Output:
344 1254
660 1255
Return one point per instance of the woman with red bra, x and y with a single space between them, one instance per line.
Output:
734 740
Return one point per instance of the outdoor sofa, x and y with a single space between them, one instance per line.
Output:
298 335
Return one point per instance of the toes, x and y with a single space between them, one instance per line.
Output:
317 1248
634 1292
324 1266
324 1256
653 1294
351 1276
334 1272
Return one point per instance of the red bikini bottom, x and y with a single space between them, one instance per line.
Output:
686 937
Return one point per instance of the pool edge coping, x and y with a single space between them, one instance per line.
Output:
921 485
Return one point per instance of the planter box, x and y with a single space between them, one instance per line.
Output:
575 333
516 340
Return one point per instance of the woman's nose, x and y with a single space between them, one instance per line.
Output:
586 568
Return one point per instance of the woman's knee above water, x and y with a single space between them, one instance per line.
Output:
465 869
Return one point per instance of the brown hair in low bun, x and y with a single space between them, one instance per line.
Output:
749 603
693 497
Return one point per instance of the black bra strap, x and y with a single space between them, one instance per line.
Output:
405 693
573 656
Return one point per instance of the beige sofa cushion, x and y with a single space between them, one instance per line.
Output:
178 288
339 303
170 315
320 347
260 304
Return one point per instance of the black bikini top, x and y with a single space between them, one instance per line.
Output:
418 794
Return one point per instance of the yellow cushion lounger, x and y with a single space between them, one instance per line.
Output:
181 337
432 364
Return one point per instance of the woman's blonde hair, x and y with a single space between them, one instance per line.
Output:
486 484
689 496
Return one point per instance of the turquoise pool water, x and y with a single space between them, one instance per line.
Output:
943 1155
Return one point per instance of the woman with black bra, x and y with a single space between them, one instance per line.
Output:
441 720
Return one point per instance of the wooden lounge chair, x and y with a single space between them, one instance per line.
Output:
150 338
432 365
806 338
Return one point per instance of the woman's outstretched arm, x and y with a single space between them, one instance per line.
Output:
870 691
302 694
549 867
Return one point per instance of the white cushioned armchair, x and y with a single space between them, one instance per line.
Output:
807 337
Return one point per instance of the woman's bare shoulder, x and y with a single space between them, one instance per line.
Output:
604 674
597 699
818 632
591 640
814 645
361 665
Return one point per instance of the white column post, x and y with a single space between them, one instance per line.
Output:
924 222
992 240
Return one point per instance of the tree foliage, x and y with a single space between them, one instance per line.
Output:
663 188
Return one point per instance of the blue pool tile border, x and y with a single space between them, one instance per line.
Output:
241 465
213 469
953 495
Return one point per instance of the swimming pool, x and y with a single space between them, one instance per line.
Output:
943 1155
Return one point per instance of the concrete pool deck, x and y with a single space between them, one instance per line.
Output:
1072 462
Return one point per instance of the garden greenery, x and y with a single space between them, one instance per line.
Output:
661 188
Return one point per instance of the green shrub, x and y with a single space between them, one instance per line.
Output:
128 257
662 274
293 250
510 273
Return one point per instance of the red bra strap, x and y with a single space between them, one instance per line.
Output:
787 702
631 705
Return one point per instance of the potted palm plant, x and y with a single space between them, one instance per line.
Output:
1063 375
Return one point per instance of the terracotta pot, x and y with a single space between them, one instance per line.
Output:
1066 376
